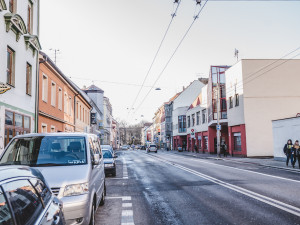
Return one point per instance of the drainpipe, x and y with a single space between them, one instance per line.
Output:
75 115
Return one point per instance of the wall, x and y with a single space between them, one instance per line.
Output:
271 96
282 131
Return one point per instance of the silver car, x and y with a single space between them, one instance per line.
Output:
72 164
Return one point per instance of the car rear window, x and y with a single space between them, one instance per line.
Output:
46 151
152 145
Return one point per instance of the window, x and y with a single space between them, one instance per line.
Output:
59 98
29 17
10 71
70 106
193 120
77 115
181 124
204 116
45 88
230 103
198 117
15 124
80 112
237 100
42 190
5 213
52 129
28 79
205 143
12 6
24 200
53 93
189 121
66 103
44 128
237 141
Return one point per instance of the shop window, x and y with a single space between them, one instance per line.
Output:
205 143
10 70
237 141
26 122
18 120
9 118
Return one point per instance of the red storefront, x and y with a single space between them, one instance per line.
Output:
237 140
180 140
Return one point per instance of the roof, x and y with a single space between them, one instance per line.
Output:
93 89
196 102
68 80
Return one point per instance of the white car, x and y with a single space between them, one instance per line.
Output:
152 148
124 147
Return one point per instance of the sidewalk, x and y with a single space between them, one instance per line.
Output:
263 161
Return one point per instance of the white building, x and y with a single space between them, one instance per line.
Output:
19 46
107 121
260 91
180 106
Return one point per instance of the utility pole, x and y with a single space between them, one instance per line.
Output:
218 113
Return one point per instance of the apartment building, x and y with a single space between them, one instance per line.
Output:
19 47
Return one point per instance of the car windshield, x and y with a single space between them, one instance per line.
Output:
152 145
46 151
107 154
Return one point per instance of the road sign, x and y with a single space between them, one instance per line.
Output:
218 127
192 130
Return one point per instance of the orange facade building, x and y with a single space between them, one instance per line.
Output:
57 98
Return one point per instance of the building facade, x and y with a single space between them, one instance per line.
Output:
19 47
107 121
260 91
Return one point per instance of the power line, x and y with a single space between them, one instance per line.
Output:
156 54
184 36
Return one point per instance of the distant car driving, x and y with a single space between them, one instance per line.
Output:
152 148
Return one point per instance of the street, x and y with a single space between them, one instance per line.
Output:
166 188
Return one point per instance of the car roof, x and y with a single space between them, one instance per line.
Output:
12 171
55 134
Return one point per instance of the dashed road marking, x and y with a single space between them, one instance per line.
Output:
127 205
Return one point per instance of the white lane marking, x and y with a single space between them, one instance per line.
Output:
127 205
125 172
127 213
270 201
249 171
116 197
126 198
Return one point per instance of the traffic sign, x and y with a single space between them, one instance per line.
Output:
192 130
218 127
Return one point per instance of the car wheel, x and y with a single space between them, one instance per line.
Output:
92 219
114 173
102 201
155 151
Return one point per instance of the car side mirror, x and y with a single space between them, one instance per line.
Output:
96 160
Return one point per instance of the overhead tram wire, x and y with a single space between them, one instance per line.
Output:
184 36
156 54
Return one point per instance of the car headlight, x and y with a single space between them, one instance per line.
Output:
76 189
109 165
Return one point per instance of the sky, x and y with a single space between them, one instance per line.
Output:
111 43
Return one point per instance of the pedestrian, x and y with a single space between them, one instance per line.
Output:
195 148
224 149
295 151
287 149
298 156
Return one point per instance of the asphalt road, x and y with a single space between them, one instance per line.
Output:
166 188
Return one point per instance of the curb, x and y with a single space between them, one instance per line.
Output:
259 164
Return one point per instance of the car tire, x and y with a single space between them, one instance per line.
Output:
92 219
155 151
114 173
102 201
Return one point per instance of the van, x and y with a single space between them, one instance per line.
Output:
72 164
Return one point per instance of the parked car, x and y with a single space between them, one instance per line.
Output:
109 163
143 147
124 147
107 147
25 198
152 148
72 164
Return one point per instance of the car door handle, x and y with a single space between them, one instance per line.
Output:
56 220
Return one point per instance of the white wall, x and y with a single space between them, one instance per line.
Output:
234 85
282 131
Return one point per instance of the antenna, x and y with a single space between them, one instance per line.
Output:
55 53
236 54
